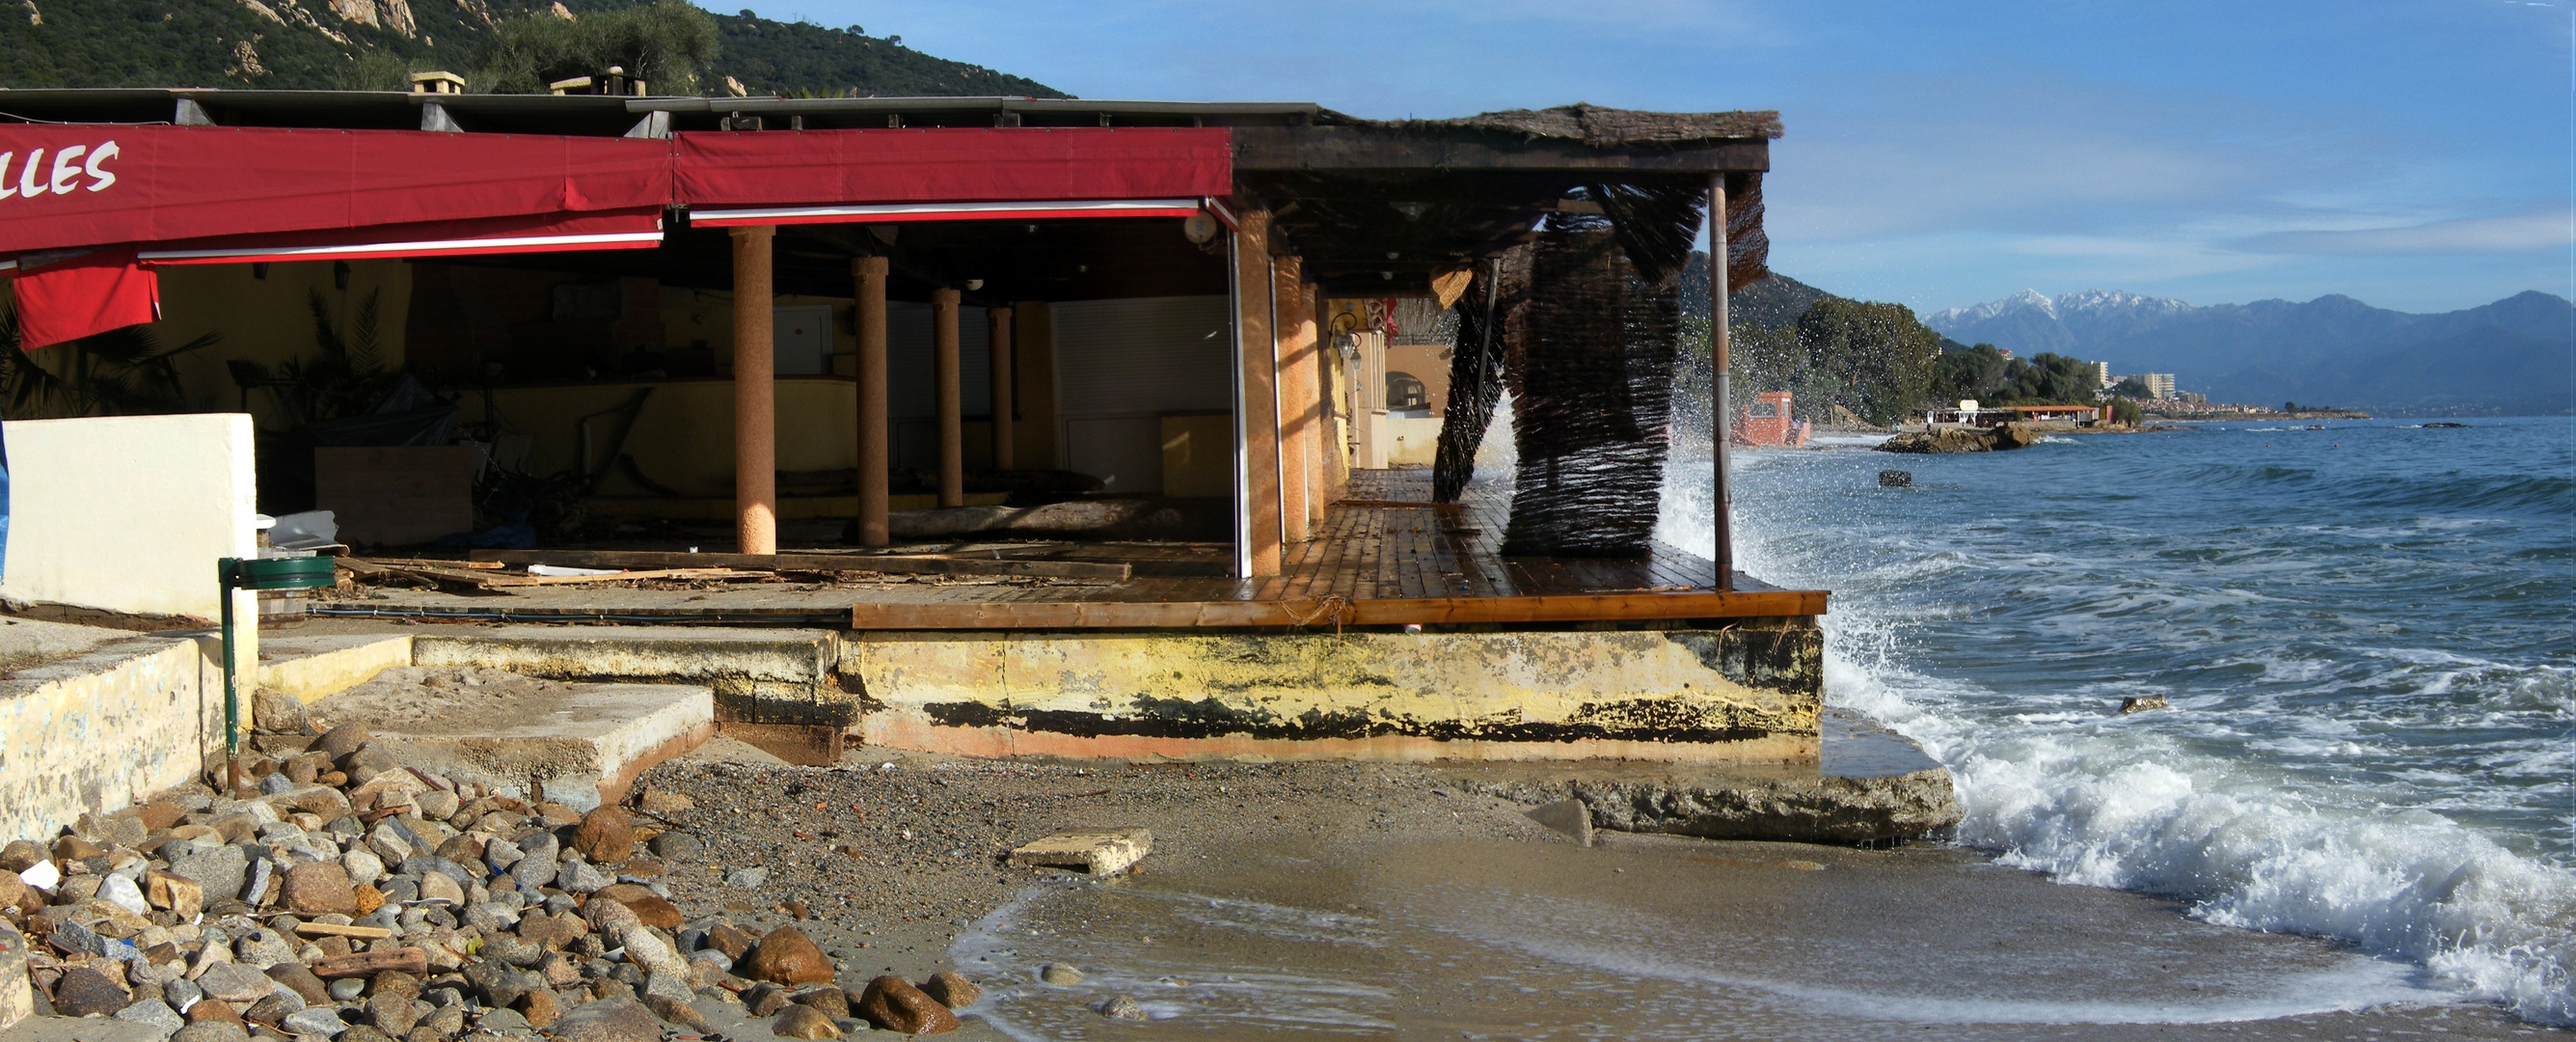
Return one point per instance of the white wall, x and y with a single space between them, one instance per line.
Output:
129 513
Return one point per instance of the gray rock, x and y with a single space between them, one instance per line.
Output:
316 1020
125 894
1123 1007
277 1005
212 1031
673 845
342 740
579 878
502 1020
88 992
74 939
263 948
394 1014
501 854
234 982
747 878
220 870
1059 973
155 1014
261 870
608 1020
362 864
347 989
673 986
646 950
181 993
276 784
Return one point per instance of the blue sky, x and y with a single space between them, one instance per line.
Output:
2414 154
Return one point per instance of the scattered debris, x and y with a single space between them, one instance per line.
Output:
2143 703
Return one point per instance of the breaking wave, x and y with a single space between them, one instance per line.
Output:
2396 776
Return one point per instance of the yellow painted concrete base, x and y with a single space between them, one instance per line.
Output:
918 733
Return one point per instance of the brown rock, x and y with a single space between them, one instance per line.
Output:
320 888
762 1000
85 992
664 801
832 1001
608 1020
647 905
732 940
15 892
21 855
160 814
952 989
302 982
787 957
605 837
675 1011
892 1003
179 894
364 1033
394 1014
342 740
394 982
213 1009
539 1006
609 918
368 898
551 931
74 848
804 1022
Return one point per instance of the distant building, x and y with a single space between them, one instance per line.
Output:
2193 397
2102 374
2159 385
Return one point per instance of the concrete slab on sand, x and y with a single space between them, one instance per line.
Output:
580 743
312 666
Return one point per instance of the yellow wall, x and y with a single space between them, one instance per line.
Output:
270 320
1198 455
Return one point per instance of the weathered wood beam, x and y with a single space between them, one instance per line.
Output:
1377 148
902 564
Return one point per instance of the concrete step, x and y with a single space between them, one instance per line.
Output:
576 743
758 676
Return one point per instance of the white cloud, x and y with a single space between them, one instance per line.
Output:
2539 229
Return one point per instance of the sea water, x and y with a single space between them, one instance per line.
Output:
2366 631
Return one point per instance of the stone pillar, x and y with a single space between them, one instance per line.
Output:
1257 412
952 415
755 394
875 435
999 323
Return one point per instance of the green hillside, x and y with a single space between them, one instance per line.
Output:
374 44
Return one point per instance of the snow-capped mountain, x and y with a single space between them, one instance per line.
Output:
2028 322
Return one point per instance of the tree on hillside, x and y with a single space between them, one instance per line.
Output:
668 44
2130 387
2048 379
1873 359
1976 373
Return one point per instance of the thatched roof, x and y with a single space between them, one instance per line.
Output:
1610 128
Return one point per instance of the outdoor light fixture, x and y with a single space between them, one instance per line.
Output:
1199 227
974 284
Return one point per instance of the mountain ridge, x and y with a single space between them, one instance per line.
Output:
2275 350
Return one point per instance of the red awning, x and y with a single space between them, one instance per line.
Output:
77 186
637 229
1011 173
66 298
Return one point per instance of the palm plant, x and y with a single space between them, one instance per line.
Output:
117 373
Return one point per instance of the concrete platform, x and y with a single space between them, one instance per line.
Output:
29 642
99 720
578 744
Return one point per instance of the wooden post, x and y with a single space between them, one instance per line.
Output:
1296 398
1721 413
874 434
1000 341
952 413
1257 407
755 394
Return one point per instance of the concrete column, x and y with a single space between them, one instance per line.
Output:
875 437
952 414
1003 432
1257 412
755 394
1297 404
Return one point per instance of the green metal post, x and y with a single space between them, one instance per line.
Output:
273 573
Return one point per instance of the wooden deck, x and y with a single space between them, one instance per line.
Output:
1386 556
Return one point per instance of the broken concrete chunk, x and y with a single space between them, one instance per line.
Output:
1572 817
1097 851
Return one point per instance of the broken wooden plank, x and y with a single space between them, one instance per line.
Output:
1331 611
514 580
424 562
414 961
903 564
364 933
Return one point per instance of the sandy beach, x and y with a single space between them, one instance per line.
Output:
1375 900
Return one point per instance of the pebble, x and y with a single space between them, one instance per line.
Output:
347 989
1059 973
212 1031
155 1014
804 1022
181 993
315 1020
892 1003
747 878
122 891
952 989
607 1020
786 956
86 992
1123 1007
605 836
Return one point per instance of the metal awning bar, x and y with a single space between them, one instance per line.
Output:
725 217
430 248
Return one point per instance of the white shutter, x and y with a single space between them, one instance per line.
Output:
1121 366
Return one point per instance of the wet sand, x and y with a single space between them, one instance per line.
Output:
1382 901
